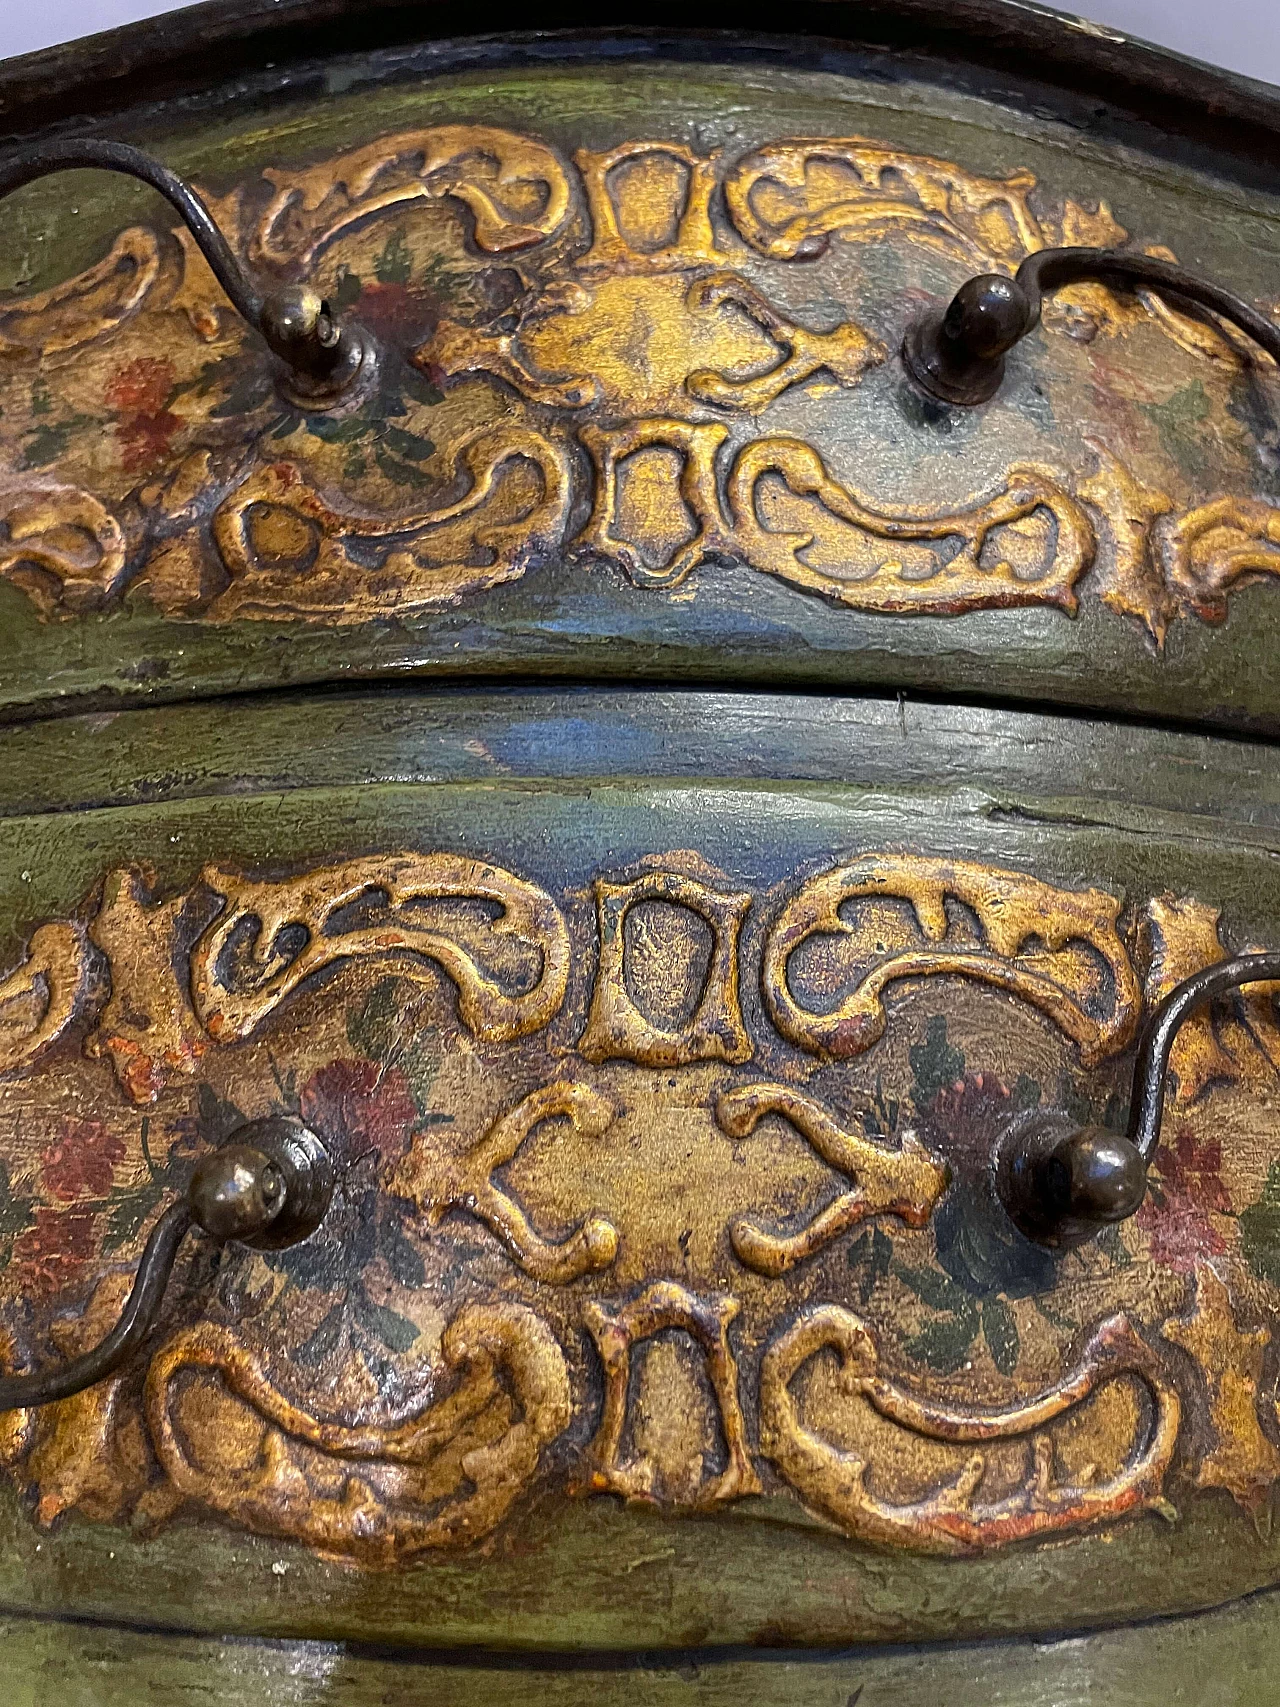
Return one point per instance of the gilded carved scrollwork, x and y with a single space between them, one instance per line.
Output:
437 1183
89 1452
290 550
1207 550
714 1031
443 1474
1163 559
147 1030
709 338
1127 510
649 319
845 353
617 1330
17 1428
1055 948
1028 545
92 305
696 490
42 997
787 517
644 1202
1242 1459
788 199
661 218
1236 1041
242 967
905 1182
182 984
515 188
951 1510
60 545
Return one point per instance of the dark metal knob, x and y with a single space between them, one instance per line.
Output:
236 1193
269 1185
1060 1181
958 356
322 359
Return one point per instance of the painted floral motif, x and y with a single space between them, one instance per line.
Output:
1184 1195
366 1112
572 1185
52 429
367 1106
81 1161
54 1251
982 1263
1260 1230
47 1245
606 330
364 1109
381 434
139 393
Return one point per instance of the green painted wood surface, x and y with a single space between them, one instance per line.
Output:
1228 1658
580 1577
559 780
730 624
259 744
1138 815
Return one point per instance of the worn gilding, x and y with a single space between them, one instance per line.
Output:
610 333
564 1260
664 1298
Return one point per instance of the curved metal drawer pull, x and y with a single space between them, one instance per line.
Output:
269 1185
323 358
1061 1181
958 356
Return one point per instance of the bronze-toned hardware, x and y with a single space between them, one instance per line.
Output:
958 356
1061 1181
268 1186
322 358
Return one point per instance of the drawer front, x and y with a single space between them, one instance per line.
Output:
640 408
663 1298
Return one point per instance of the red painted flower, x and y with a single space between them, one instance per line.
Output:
396 315
52 1252
965 1117
141 387
358 1106
81 1161
138 392
1186 1190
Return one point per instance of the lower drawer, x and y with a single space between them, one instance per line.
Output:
664 1300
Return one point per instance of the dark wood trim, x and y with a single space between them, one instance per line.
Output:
1008 49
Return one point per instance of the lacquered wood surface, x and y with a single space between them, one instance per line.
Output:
1222 1659
1139 818
1184 419
659 797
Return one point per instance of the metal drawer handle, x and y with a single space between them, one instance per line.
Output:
958 356
1061 1181
269 1185
322 357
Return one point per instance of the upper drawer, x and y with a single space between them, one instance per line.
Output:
639 406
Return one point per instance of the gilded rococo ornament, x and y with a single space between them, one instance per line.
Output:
608 1223
620 362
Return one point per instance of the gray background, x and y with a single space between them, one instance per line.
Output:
1242 34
